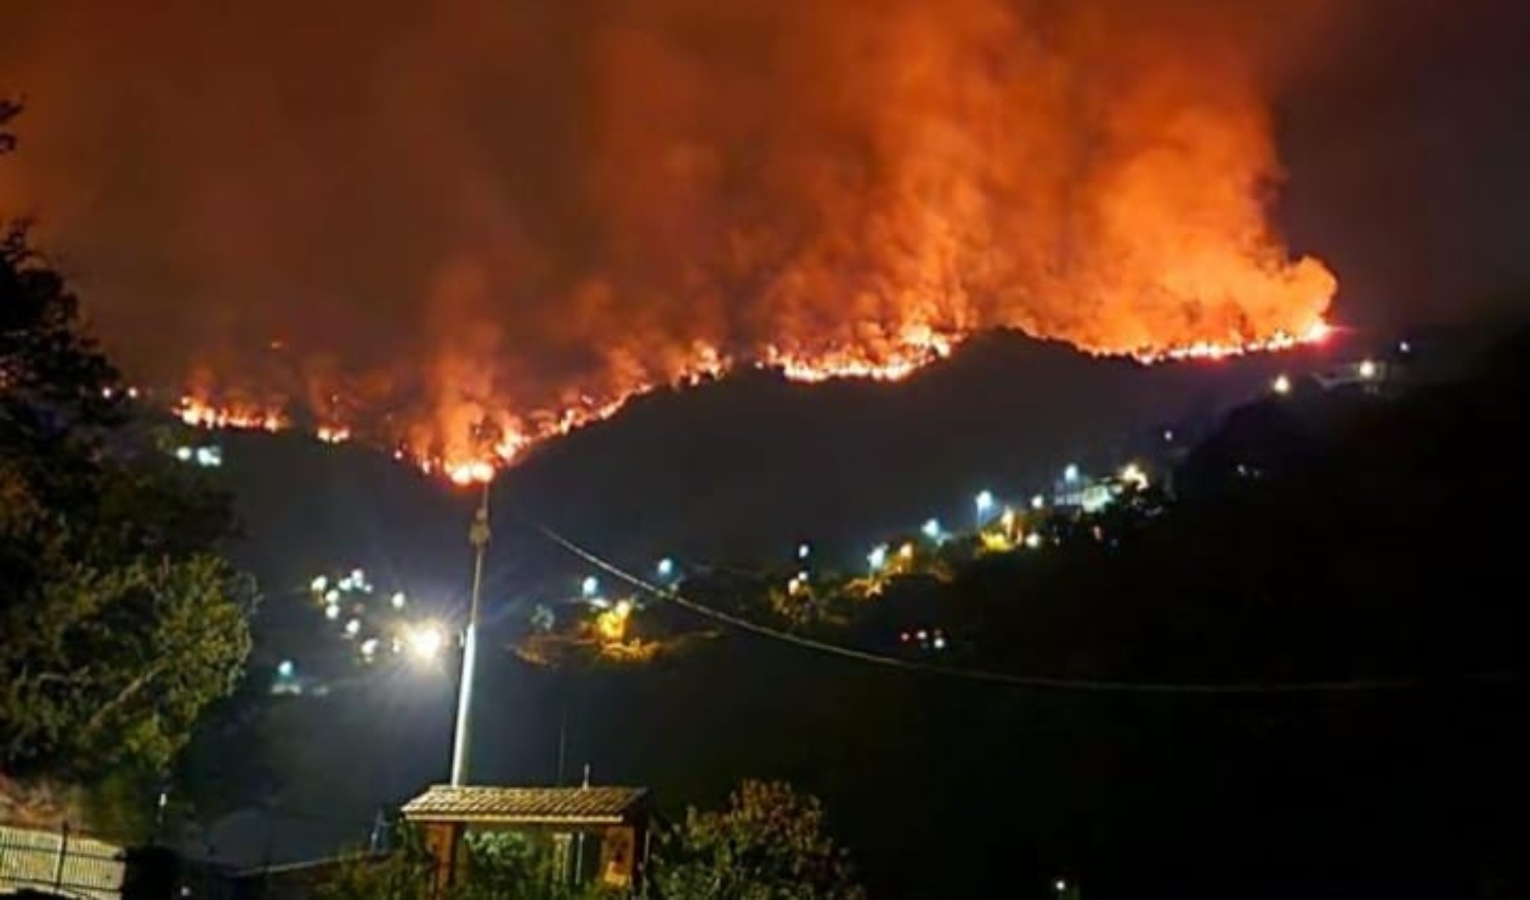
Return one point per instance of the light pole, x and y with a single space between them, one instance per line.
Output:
984 503
478 536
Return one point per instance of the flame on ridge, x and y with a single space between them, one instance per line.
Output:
517 434
1280 340
238 416
833 190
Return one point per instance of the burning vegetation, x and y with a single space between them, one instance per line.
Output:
487 224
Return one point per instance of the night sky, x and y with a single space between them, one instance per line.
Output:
1406 155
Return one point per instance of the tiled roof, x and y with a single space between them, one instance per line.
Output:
524 805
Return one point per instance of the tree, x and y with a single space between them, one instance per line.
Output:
500 866
769 844
121 619
110 665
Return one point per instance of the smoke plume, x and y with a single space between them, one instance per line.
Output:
414 218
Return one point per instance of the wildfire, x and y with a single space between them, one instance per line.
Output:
849 191
467 466
917 349
239 417
478 471
1315 334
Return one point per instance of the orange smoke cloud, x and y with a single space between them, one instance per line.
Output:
466 227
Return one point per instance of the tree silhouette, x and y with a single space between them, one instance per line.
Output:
768 844
120 619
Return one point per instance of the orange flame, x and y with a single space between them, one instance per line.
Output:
834 190
239 417
464 466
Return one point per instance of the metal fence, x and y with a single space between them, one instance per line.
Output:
58 862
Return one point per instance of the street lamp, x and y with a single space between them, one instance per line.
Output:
478 537
984 502
666 568
931 529
424 642
589 587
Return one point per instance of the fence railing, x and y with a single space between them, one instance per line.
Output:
56 861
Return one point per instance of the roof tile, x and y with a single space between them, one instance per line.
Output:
523 805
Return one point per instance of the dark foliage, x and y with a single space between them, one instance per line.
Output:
1366 538
120 620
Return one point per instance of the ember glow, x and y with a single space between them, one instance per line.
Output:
202 414
472 227
475 461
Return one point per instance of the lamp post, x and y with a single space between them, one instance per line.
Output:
984 503
478 537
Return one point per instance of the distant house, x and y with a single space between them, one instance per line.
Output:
603 824
1368 375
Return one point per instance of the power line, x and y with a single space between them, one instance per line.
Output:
1038 682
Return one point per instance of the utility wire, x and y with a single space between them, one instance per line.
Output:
1037 682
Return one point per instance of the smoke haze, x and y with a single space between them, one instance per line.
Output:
411 217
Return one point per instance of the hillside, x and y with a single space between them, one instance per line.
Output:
744 467
1359 550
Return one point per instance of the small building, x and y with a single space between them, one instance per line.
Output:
617 819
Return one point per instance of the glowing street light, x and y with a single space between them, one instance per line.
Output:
877 558
1133 475
931 529
319 584
984 503
803 551
666 567
1038 502
1070 474
1281 385
1368 369
589 587
286 669
398 600
424 642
